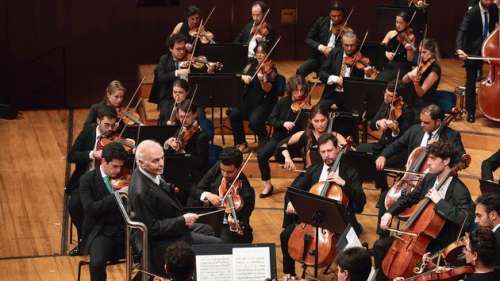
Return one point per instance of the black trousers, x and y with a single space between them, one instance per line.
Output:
288 262
256 117
75 209
101 250
312 64
198 234
230 237
471 73
263 155
489 165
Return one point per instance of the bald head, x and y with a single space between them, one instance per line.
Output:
149 156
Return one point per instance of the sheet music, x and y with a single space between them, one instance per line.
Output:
214 268
251 264
352 239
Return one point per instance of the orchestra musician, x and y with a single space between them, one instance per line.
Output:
425 77
103 227
335 68
305 143
258 100
189 26
212 187
86 153
180 262
452 201
156 205
115 91
286 120
345 176
488 166
353 264
477 23
322 39
488 215
399 48
256 31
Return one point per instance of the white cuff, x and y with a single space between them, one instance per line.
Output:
203 196
176 75
91 154
332 79
394 134
320 46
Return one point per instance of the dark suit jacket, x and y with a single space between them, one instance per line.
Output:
244 36
211 182
319 33
197 146
164 78
489 165
456 207
281 113
332 66
497 243
405 121
79 154
412 138
102 215
470 31
157 207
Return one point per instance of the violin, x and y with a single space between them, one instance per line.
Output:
443 274
201 62
450 254
406 36
298 105
205 36
419 4
262 29
186 134
396 109
360 62
123 178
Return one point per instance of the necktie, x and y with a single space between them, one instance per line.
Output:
429 137
107 181
176 65
486 25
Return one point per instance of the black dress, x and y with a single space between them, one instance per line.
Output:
400 61
428 98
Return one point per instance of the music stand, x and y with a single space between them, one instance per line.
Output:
488 186
365 162
177 169
232 56
319 212
376 52
214 220
157 133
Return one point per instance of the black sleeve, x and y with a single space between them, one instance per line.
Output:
379 115
205 183
324 71
398 145
163 73
489 165
242 36
79 152
462 31
200 155
274 117
406 120
457 142
354 190
247 194
304 180
460 207
313 34
91 206
413 197
91 115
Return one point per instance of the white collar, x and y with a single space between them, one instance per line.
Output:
482 9
97 132
496 227
103 174
156 179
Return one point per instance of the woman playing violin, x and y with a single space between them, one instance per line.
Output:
425 77
213 187
189 27
400 48
286 120
258 100
113 98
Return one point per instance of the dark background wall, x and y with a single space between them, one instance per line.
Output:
62 53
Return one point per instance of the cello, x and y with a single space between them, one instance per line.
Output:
302 242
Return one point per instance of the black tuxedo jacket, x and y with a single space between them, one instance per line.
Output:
319 33
470 31
412 138
405 121
157 207
163 80
497 247
79 154
281 113
244 36
332 66
455 208
488 166
102 215
211 182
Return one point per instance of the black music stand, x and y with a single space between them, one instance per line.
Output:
177 169
232 56
157 133
214 220
319 212
376 52
488 186
365 162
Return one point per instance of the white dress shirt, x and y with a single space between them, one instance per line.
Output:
444 188
324 173
425 139
155 179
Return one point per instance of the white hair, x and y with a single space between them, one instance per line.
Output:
143 148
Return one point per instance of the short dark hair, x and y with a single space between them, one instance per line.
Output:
491 201
391 86
357 262
326 137
180 261
442 150
175 38
405 15
185 106
179 82
192 10
263 6
266 47
293 82
336 6
114 150
231 156
434 111
482 241
106 111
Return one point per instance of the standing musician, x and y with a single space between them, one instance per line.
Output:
488 166
155 204
399 48
103 227
115 91
213 187
425 77
452 201
488 215
257 101
256 31
305 143
345 176
476 25
335 68
286 120
85 153
189 27
323 37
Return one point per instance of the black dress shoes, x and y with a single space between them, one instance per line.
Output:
75 251
471 118
267 194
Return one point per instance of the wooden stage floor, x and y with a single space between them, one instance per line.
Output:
32 165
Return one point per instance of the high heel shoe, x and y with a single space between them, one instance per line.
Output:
267 194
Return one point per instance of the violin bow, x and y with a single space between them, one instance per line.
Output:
420 59
235 179
265 58
195 44
409 24
345 22
395 92
132 98
260 24
189 108
208 17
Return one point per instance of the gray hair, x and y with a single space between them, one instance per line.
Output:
349 35
141 149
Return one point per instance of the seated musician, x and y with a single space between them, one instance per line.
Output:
86 153
213 187
257 101
399 48
112 98
452 201
180 262
189 26
103 227
353 264
345 176
488 215
322 38
286 120
489 165
425 77
155 204
335 69
251 34
305 143
192 140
